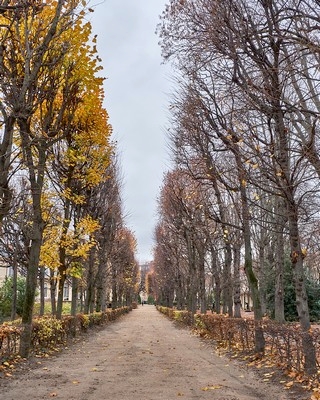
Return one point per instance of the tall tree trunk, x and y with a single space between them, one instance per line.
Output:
41 284
279 264
227 303
180 298
301 293
248 261
294 236
62 269
5 161
100 297
53 292
36 176
74 295
192 276
62 280
263 272
100 286
236 281
202 281
217 281
31 286
227 281
114 300
279 289
14 285
90 298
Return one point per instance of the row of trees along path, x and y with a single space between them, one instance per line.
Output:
143 355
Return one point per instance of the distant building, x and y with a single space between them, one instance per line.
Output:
5 272
144 269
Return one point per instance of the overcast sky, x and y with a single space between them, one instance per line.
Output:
137 97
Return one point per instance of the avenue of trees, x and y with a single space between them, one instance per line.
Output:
61 214
239 211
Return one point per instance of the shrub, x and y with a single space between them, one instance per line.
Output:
290 307
9 340
6 295
46 331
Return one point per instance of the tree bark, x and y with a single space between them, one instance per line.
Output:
14 285
227 305
279 263
90 297
5 161
192 276
74 298
53 292
36 177
310 360
202 281
41 284
61 282
236 281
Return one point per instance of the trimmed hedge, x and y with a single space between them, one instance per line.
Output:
283 341
48 332
182 316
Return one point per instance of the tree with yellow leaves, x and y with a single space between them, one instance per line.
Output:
79 163
48 72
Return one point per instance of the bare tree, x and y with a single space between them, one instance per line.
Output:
237 55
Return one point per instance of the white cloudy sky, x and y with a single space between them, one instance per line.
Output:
137 97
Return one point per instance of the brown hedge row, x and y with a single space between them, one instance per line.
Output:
283 341
48 332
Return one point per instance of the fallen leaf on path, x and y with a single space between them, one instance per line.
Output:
268 374
211 388
75 382
53 394
293 374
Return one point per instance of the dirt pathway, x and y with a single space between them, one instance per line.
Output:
142 356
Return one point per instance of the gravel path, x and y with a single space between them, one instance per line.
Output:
142 356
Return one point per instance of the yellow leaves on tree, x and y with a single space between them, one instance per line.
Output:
80 242
66 98
91 130
74 197
51 217
50 248
76 243
73 112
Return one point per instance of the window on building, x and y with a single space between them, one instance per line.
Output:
66 292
